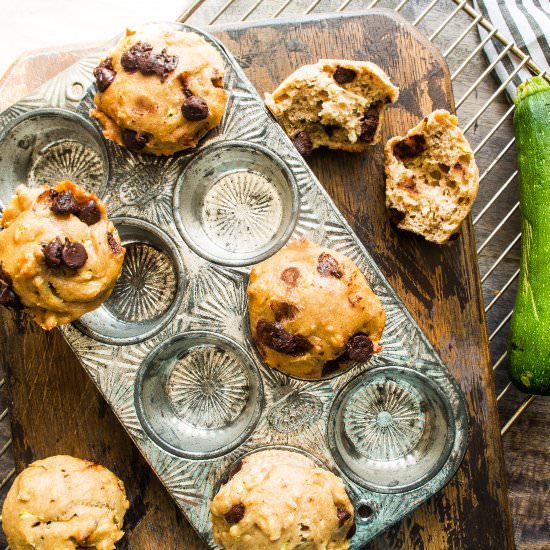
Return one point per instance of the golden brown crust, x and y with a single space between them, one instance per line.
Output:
63 503
317 294
57 295
152 106
431 178
284 501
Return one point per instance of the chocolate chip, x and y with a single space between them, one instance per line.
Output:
396 216
104 74
410 147
359 347
133 140
73 255
88 212
135 57
9 299
52 253
343 75
114 245
327 266
64 203
302 142
160 64
185 86
283 310
194 108
140 57
217 79
334 365
330 129
343 516
351 531
274 336
370 123
235 514
290 276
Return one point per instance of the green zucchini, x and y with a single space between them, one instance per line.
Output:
529 340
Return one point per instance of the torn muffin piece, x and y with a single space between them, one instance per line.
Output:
335 103
159 90
312 311
431 178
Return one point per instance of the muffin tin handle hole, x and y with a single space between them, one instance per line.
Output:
75 91
364 511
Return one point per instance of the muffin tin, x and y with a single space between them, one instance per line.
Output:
171 350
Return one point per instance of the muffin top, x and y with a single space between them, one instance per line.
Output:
312 311
282 500
159 90
59 255
64 503
337 103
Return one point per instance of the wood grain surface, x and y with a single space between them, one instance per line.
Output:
56 409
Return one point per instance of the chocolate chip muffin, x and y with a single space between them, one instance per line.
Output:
59 255
336 103
312 311
282 500
64 503
431 178
159 90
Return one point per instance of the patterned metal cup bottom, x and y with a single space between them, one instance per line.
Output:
390 429
198 395
148 292
48 146
235 203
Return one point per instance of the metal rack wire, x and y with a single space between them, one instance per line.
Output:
453 26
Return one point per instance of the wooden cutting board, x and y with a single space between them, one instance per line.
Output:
56 409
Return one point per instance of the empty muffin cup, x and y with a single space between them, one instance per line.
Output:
236 203
391 429
46 146
198 395
148 292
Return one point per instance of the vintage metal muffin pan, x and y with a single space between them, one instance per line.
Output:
171 351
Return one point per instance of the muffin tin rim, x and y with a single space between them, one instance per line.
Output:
77 118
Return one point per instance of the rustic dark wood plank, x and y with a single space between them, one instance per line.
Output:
439 285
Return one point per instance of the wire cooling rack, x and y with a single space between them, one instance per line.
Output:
485 115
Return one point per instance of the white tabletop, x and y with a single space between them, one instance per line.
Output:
32 24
